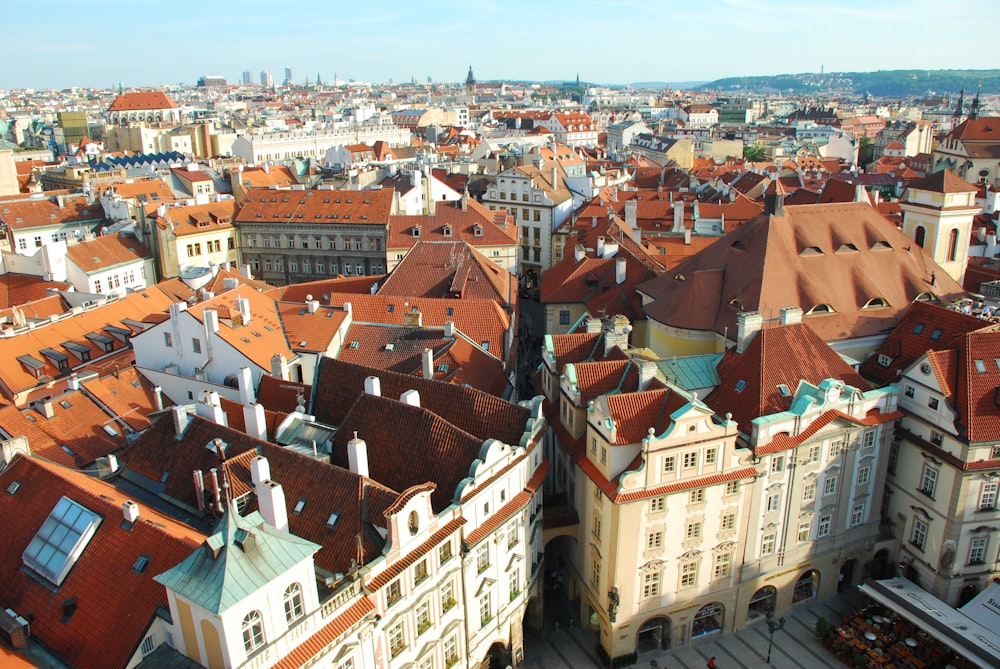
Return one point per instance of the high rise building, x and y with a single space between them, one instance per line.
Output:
247 77
266 79
288 76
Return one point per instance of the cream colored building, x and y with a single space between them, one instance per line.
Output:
194 236
938 211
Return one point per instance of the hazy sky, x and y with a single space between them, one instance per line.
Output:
613 41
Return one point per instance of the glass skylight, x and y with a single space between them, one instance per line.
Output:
61 540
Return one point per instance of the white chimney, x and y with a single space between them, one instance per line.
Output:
427 358
619 270
242 305
279 367
271 504
211 321
245 272
600 246
790 315
73 382
373 386
230 282
411 397
357 456
312 306
678 217
579 253
631 213
209 407
748 324
687 237
131 511
158 397
260 470
181 419
981 235
244 380
449 328
255 420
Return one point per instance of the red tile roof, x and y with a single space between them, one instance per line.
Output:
782 441
331 632
784 355
943 181
47 213
126 394
19 289
317 207
635 413
142 101
283 396
107 252
114 604
198 219
450 270
975 399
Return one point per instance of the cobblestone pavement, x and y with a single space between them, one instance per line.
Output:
795 646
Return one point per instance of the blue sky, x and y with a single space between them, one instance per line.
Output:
614 41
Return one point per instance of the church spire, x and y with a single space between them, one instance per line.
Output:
974 107
960 107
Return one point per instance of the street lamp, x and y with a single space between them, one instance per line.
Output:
773 625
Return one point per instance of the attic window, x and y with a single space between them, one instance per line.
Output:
390 347
679 277
783 389
740 385
355 344
332 520
450 311
736 303
446 231
415 231
299 505
61 540
925 297
920 328
739 245
442 368
875 303
881 244
820 309
12 488
141 563
980 366
846 248
477 231
936 334
389 308
811 251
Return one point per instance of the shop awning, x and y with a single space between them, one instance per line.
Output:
947 625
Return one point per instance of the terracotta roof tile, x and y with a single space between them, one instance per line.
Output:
333 630
635 413
107 252
317 207
142 100
450 270
127 395
47 213
198 219
19 289
282 396
109 622
783 441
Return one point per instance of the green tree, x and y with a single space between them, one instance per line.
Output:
755 154
866 151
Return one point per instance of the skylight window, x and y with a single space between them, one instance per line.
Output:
299 505
936 334
919 328
61 540
141 563
332 520
355 344
980 366
740 385
783 389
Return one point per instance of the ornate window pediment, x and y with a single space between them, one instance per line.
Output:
652 565
725 546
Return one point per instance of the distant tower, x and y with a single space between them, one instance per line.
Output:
974 107
960 107
288 76
266 79
577 78
470 82
938 214
247 77
319 82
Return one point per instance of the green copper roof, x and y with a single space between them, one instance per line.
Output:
691 372
238 560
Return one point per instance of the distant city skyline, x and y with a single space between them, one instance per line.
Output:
603 42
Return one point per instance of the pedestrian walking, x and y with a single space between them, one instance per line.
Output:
711 662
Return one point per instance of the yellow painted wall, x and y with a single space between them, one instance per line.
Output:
213 645
188 632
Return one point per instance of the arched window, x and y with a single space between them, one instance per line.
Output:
918 236
806 587
293 602
952 244
253 632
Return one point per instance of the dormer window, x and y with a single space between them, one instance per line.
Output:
875 303
446 231
820 309
477 231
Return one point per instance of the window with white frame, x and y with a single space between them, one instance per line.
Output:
823 528
595 571
928 480
696 496
657 504
596 526
805 527
253 632
669 464
447 596
867 438
857 515
918 537
690 460
767 543
711 456
864 475
423 613
654 540
393 593
723 565
977 550
483 558
988 496
689 574
829 485
812 455
732 487
651 584
774 501
693 531
397 639
514 583
293 602
836 447
728 522
485 609
450 651
910 391
933 403
777 463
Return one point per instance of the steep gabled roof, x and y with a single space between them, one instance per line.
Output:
978 384
635 413
339 384
943 181
762 379
450 269
842 256
107 252
110 589
317 207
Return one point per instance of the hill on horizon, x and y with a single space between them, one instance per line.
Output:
892 83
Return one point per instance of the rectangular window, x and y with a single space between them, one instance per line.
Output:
829 485
767 544
711 456
868 439
393 593
928 481
893 458
420 572
691 460
397 639
857 514
812 455
728 522
196 345
423 617
447 596
689 574
936 438
654 540
932 402
988 496
595 572
168 340
774 502
977 551
514 584
657 504
919 535
809 491
564 317
483 558
693 531
651 585
538 215
593 445
669 464
732 487
485 610
836 447
444 552
823 529
604 455
596 527
910 391
804 528
696 496
864 475
450 651
723 563
777 463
